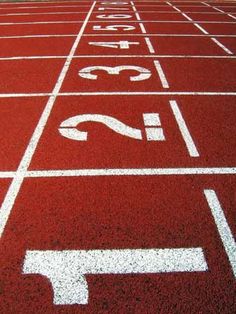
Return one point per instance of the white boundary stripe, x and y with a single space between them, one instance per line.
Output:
132 172
117 21
156 35
192 149
117 56
125 93
203 30
112 35
219 10
223 227
149 44
161 74
110 11
67 269
26 159
41 13
122 172
143 29
222 46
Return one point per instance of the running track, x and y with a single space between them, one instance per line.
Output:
117 160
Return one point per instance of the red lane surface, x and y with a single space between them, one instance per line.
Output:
211 17
171 28
108 213
42 18
18 118
191 73
52 46
29 76
219 29
38 9
117 210
162 16
40 29
230 43
186 46
210 121
4 185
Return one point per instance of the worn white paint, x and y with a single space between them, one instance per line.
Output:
67 270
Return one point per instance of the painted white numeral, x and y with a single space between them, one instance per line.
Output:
114 3
114 16
69 127
123 44
113 9
67 270
113 28
144 73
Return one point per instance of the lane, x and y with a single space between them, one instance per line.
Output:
56 151
113 180
104 210
17 122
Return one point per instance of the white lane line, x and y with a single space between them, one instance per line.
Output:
117 56
161 74
41 13
125 93
46 7
16 95
7 174
143 29
203 30
138 16
222 46
122 172
28 154
117 21
131 172
31 58
38 36
192 149
111 35
149 44
67 270
157 35
223 228
219 10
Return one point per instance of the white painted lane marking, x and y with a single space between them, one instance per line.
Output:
131 172
144 73
156 35
219 10
221 46
7 174
69 127
143 29
202 29
117 21
67 270
225 233
119 56
192 149
123 172
149 44
28 154
125 93
161 74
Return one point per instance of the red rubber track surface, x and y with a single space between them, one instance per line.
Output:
165 181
